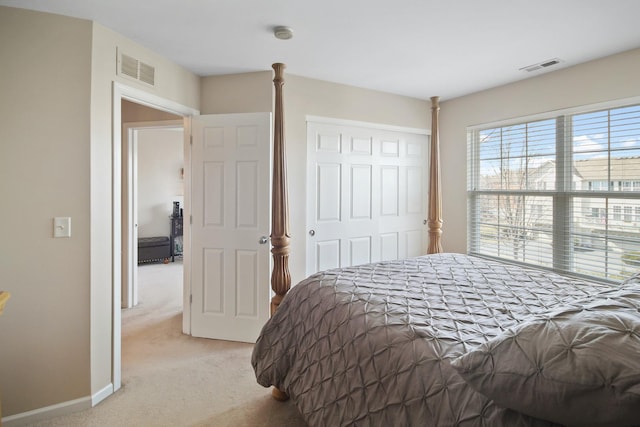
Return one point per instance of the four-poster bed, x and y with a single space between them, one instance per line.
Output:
445 339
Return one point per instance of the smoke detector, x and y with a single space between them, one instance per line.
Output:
283 33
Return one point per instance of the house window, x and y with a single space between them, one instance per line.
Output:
541 191
617 213
637 214
599 185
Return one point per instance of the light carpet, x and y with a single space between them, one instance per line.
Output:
172 379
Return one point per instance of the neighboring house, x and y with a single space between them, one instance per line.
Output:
619 215
591 175
56 159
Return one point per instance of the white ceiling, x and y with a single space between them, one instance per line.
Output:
418 48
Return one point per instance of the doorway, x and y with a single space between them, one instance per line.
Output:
206 135
153 193
152 200
122 243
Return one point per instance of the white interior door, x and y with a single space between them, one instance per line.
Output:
230 208
366 194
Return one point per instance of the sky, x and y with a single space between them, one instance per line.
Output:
596 134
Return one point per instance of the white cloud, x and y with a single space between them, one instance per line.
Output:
584 143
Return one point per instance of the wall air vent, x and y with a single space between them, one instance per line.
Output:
133 68
147 74
129 66
540 65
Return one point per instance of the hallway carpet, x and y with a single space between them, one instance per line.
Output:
171 379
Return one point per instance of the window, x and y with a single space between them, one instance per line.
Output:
598 185
617 213
558 192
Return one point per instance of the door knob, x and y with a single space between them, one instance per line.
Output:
312 232
263 240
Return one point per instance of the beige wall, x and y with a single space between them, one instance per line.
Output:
237 93
132 112
44 170
56 160
253 92
160 159
611 78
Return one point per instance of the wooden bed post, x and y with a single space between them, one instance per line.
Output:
280 276
435 189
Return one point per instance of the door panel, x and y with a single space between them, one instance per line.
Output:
327 254
367 195
329 192
230 213
360 250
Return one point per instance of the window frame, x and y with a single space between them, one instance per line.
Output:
563 195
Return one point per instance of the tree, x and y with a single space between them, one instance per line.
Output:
518 213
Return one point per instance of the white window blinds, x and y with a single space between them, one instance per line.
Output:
561 192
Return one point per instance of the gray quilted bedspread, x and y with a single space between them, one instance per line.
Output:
371 345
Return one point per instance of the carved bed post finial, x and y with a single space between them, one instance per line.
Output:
280 276
435 190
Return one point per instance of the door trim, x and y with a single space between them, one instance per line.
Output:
369 125
120 92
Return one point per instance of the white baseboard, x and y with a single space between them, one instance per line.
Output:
101 395
64 408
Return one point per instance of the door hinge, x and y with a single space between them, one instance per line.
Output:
190 219
190 139
190 298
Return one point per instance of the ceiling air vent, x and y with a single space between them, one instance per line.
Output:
135 69
540 65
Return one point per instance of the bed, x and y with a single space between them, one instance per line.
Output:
438 340
446 339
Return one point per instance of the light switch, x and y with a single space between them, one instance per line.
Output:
62 226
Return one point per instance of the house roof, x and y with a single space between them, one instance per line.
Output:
622 168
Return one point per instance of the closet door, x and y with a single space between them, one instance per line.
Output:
366 194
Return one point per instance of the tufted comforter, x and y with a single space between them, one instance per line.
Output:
372 345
